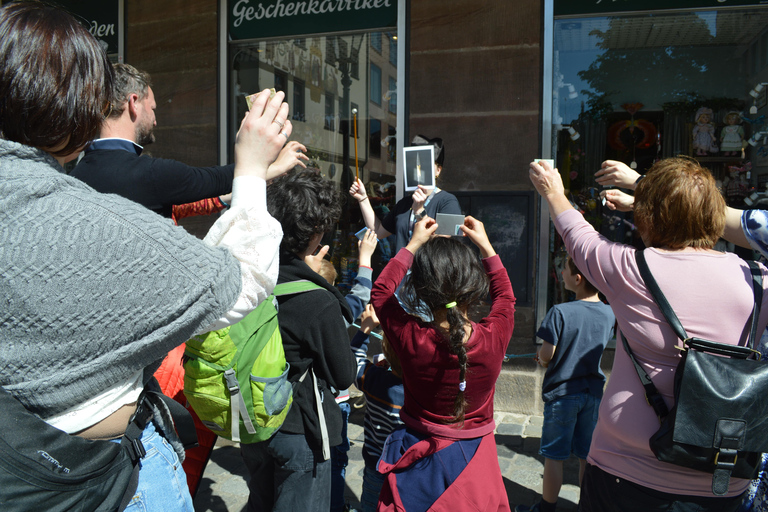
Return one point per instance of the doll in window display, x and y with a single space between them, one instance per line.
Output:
732 135
704 140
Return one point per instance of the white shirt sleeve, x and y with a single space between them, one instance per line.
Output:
252 236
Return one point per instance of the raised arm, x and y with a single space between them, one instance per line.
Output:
372 222
549 184
247 230
733 230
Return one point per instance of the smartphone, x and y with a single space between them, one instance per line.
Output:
360 234
449 224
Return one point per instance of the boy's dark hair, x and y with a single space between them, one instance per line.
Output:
445 270
575 271
305 204
55 79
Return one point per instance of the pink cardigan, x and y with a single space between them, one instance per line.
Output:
711 294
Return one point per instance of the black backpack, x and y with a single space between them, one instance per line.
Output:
44 468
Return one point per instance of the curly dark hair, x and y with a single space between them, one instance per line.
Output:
444 270
305 204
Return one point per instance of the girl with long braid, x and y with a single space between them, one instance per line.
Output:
444 458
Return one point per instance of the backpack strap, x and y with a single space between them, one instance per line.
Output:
290 288
320 413
293 287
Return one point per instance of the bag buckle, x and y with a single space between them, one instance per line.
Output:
727 452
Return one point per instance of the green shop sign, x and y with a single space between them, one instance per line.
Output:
258 19
576 7
100 17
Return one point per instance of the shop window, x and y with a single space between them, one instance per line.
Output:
375 138
375 84
330 112
325 77
637 87
392 145
298 106
281 81
376 41
392 95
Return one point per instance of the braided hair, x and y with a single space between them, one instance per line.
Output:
447 274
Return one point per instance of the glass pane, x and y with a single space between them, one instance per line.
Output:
640 87
325 78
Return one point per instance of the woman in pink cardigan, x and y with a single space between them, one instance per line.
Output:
680 215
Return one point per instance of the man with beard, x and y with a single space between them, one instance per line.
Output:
112 163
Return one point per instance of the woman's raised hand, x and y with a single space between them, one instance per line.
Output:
262 134
545 178
618 200
618 174
475 231
419 197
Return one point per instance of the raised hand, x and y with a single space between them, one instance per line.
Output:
290 156
475 231
618 200
366 247
262 134
615 173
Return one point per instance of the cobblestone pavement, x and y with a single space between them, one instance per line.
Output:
224 487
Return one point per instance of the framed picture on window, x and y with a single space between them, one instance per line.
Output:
419 167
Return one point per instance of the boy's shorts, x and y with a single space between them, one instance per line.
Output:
568 425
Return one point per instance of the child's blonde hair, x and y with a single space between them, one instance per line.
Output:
328 271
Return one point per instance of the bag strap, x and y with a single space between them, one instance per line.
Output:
652 395
671 317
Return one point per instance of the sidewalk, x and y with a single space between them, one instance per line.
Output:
224 488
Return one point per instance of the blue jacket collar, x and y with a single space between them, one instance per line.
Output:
114 143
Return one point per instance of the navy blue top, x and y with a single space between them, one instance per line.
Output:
113 166
398 220
580 331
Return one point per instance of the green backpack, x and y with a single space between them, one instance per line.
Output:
240 372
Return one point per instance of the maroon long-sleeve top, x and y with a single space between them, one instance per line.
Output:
431 376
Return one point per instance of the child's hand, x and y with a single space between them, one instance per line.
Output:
422 232
290 156
357 190
475 231
366 246
368 319
314 260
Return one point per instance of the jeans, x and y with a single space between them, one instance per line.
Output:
287 475
162 481
568 425
372 484
339 461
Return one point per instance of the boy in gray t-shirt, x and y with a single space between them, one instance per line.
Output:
574 335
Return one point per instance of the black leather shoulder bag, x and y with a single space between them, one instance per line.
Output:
719 423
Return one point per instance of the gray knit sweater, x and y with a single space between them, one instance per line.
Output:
93 287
